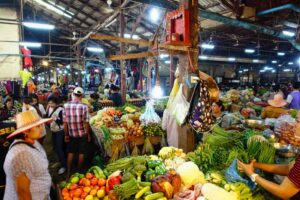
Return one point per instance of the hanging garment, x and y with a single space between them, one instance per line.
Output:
8 86
25 76
27 59
31 87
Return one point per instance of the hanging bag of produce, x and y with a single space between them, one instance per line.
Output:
149 116
180 106
201 114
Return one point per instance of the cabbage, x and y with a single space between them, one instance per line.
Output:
190 174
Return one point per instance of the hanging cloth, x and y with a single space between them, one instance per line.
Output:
25 76
27 59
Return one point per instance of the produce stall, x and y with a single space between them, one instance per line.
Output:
209 172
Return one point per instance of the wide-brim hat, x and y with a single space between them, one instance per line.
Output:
278 101
27 120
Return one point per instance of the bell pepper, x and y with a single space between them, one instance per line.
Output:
150 175
154 163
114 180
160 170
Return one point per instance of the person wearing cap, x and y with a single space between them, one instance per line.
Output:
115 95
76 128
26 163
276 108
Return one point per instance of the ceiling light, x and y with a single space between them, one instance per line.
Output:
266 68
135 37
249 50
274 61
255 61
38 25
68 66
108 69
280 53
287 70
273 71
95 49
202 57
55 8
30 44
241 71
45 63
231 59
76 73
290 63
167 61
154 14
245 70
207 46
261 70
289 33
157 92
82 72
163 56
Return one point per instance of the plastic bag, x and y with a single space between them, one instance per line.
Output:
135 151
149 116
284 123
180 106
233 176
148 147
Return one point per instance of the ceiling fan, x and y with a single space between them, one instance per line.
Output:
107 8
71 38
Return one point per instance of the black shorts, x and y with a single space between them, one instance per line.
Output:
77 145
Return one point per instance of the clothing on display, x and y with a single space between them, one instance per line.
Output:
27 59
25 76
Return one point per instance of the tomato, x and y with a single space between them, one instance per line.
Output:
74 186
94 181
93 192
89 176
96 187
86 182
87 189
65 192
78 192
83 194
102 188
101 182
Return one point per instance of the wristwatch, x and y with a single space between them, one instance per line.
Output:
253 177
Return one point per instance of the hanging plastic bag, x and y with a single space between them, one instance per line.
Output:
148 147
135 151
149 116
233 176
180 106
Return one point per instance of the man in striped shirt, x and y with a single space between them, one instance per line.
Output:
76 127
290 186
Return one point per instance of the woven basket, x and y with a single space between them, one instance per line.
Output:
155 139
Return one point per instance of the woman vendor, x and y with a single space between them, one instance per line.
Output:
276 108
289 188
26 163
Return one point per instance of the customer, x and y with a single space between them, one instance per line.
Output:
289 188
55 111
106 91
76 128
293 98
276 108
115 96
37 105
217 108
54 91
94 101
27 105
26 164
8 111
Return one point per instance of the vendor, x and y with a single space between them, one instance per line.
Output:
115 95
289 188
8 111
217 108
276 108
94 101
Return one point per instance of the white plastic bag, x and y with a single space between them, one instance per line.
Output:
150 116
180 106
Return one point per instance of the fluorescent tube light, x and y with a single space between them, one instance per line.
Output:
231 59
95 49
202 57
287 70
290 63
274 61
55 8
289 33
163 56
30 44
273 71
255 61
38 25
245 70
167 62
207 46
280 53
249 50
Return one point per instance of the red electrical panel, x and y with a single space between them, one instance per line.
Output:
178 27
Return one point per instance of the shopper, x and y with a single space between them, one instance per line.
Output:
76 128
94 101
293 98
8 111
217 108
115 95
289 188
106 91
55 111
27 105
26 164
276 108
37 105
54 91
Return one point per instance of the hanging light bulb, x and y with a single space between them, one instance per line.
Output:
109 2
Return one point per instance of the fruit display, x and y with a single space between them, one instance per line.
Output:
153 130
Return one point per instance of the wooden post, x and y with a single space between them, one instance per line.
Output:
141 74
187 139
122 51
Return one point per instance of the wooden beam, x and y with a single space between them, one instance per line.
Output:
132 56
142 43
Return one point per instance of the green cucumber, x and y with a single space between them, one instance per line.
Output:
154 196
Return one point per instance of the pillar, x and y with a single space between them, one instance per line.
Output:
122 51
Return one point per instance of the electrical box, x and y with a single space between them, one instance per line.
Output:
178 27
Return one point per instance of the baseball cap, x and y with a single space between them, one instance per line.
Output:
78 90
